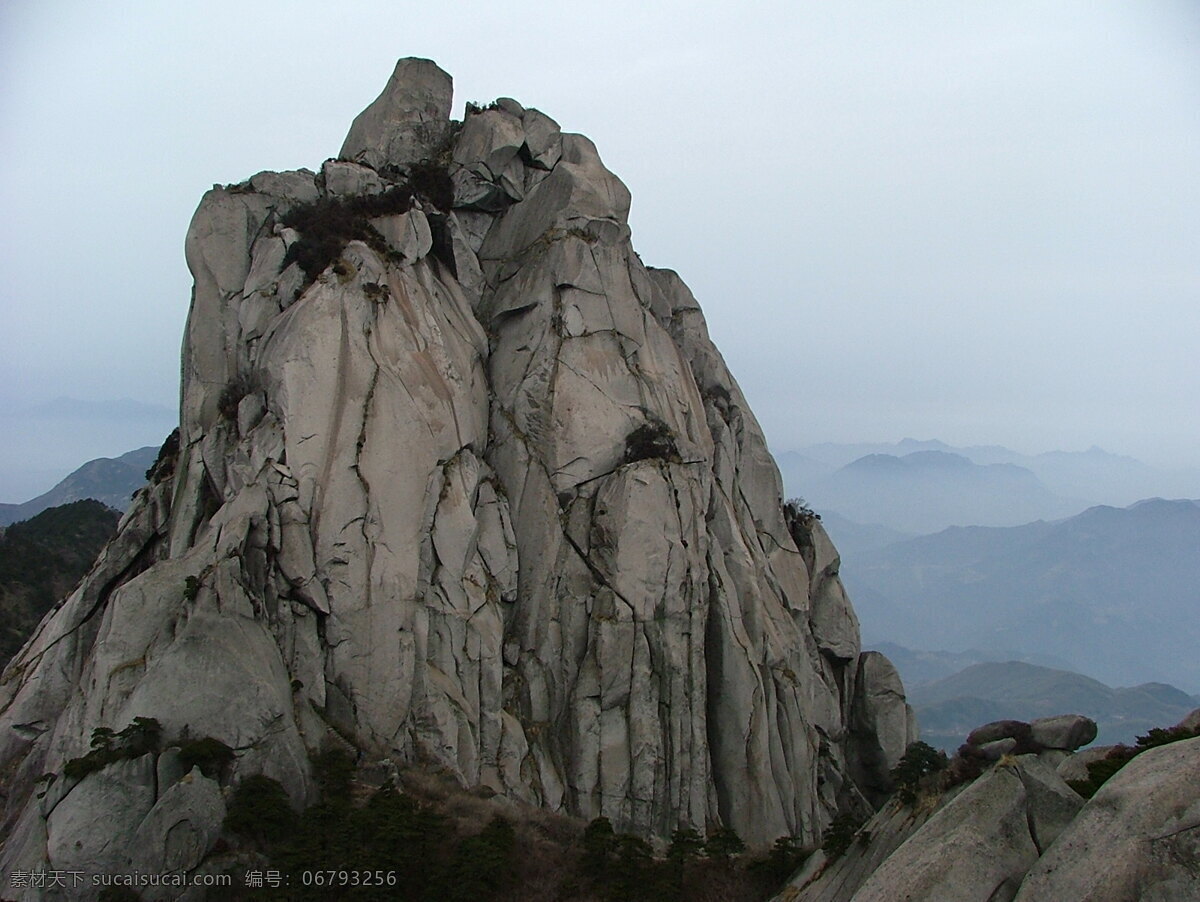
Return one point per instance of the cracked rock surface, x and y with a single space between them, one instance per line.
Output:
480 494
975 843
1137 838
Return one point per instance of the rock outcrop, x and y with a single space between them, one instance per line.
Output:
975 843
459 482
1018 831
1137 838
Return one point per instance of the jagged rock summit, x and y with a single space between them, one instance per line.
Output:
459 482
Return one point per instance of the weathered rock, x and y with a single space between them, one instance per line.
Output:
1052 805
997 748
1075 767
1067 731
350 179
179 831
1137 838
824 880
407 121
92 827
883 727
407 234
298 186
543 139
489 141
980 845
1000 729
169 769
496 507
1191 722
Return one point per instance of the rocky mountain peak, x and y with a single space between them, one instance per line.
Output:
406 121
460 484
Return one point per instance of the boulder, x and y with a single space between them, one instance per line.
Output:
1067 731
92 828
407 121
1051 804
999 729
342 179
1075 767
407 234
1137 838
489 142
981 843
298 185
883 727
179 830
543 139
997 748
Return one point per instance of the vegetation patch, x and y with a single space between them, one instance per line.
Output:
919 762
41 561
431 180
376 292
799 519
840 835
473 108
191 588
259 812
652 440
327 225
436 841
1100 771
141 737
232 394
212 756
164 465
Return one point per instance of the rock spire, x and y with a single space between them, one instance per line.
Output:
459 482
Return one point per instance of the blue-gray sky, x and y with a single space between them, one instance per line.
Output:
972 221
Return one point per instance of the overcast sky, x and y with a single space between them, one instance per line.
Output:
975 221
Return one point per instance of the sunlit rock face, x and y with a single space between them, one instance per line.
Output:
474 491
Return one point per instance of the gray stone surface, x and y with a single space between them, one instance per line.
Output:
92 827
407 234
430 526
1137 838
1075 767
1051 806
1067 731
883 727
998 729
408 119
997 748
350 179
823 880
179 830
975 842
980 845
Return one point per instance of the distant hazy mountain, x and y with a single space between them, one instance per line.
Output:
1094 475
948 709
853 539
111 480
42 559
1113 591
926 491
44 442
918 668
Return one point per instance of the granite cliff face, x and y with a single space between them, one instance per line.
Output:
459 481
